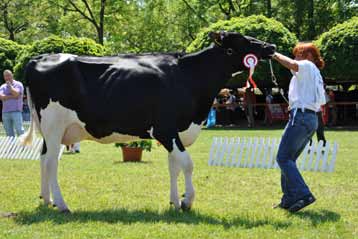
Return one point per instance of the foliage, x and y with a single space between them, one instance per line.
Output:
154 26
260 27
339 48
159 25
131 200
55 44
8 53
143 144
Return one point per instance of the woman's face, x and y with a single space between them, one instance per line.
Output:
300 56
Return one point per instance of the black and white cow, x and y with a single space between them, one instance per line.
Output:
166 97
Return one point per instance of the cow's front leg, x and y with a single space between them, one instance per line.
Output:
45 186
187 166
174 170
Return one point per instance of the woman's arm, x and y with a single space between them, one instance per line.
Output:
286 61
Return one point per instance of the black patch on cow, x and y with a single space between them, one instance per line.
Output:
44 148
129 94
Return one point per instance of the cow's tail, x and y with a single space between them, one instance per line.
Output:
29 135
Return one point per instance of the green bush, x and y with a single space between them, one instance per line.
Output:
339 48
8 52
55 44
260 27
143 144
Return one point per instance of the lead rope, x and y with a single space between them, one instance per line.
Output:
274 80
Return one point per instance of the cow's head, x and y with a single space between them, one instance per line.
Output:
238 46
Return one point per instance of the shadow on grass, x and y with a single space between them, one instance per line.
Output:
132 162
318 217
46 214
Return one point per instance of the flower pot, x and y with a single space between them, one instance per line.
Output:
131 154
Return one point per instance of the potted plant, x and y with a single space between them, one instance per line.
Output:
132 151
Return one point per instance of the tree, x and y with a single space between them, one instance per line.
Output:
13 16
8 53
55 44
90 11
339 48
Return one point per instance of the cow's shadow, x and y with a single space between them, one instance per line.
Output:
125 216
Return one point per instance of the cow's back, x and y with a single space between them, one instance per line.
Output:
126 95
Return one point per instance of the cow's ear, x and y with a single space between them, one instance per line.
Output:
216 37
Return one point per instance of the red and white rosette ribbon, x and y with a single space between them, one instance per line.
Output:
250 61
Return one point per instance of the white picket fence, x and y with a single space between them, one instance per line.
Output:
253 152
10 147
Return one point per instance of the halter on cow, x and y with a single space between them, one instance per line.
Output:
115 99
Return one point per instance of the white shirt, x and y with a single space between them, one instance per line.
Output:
306 87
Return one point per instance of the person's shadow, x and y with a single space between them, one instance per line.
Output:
122 215
318 217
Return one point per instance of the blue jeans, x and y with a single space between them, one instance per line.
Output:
12 120
298 132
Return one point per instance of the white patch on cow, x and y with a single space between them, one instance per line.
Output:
150 132
236 73
189 136
74 129
143 64
59 58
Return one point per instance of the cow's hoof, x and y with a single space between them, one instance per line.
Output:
40 197
54 205
66 211
175 207
184 207
183 195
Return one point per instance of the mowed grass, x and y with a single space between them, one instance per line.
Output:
110 199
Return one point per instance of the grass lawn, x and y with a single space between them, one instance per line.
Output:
110 199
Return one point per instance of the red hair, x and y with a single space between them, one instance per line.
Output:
304 48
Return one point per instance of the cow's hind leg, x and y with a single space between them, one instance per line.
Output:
45 186
52 157
52 137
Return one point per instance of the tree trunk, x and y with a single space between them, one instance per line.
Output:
298 13
101 22
269 8
311 25
11 35
100 34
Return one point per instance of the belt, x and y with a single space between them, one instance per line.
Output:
305 110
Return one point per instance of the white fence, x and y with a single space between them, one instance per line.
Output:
10 147
261 153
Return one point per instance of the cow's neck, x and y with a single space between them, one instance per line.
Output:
207 72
